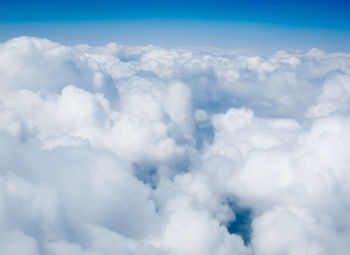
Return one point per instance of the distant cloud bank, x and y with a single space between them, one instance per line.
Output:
145 150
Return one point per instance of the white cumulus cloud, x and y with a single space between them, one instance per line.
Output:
145 150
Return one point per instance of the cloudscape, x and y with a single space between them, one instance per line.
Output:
115 148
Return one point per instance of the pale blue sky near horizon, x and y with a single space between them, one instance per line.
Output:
261 25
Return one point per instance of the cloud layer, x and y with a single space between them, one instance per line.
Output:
145 150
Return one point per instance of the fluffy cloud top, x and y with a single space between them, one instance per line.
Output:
144 150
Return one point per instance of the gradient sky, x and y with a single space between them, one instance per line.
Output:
230 24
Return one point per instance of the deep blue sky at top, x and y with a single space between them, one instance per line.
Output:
252 23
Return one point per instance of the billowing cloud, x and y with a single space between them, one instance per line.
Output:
144 150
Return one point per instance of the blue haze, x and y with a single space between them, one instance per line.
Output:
228 24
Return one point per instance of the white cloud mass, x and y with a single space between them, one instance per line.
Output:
144 150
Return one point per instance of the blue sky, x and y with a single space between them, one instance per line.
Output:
266 24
